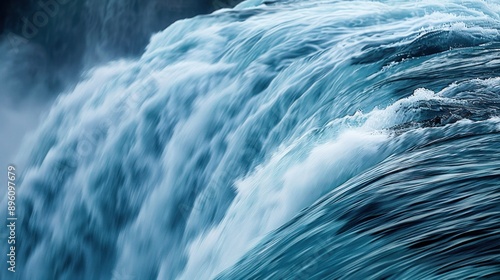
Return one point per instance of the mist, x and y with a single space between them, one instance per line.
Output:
46 46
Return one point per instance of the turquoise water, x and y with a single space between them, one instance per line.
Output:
284 140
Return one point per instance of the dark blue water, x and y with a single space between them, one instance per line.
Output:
284 140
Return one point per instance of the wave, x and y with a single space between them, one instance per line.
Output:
319 139
45 47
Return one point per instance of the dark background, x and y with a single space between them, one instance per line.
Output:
45 45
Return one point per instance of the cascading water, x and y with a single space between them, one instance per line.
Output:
277 140
45 45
